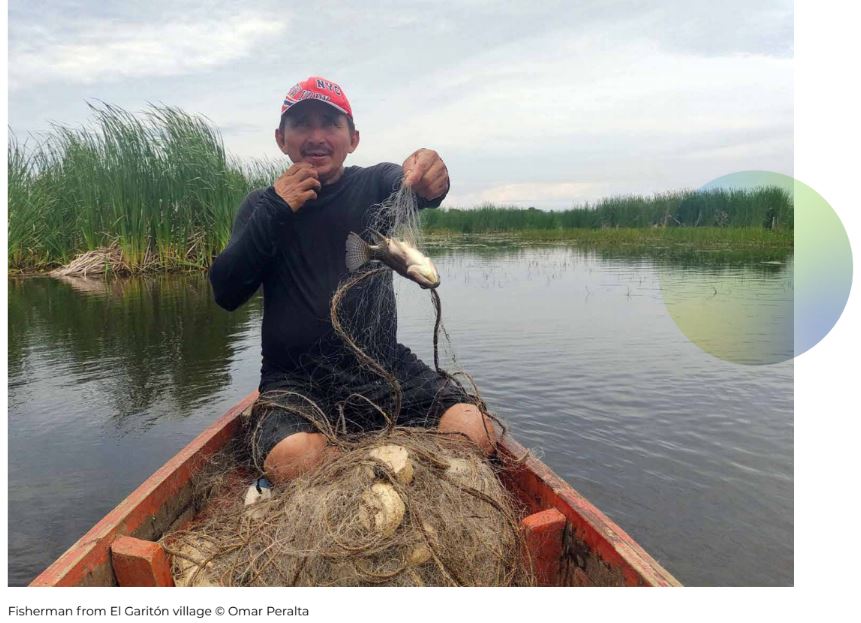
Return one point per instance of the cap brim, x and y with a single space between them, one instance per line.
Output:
311 99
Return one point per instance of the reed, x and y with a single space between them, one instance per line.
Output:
161 188
159 185
766 207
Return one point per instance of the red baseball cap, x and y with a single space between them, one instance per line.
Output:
317 88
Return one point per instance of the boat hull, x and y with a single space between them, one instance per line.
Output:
572 543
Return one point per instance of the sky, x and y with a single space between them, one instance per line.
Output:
548 104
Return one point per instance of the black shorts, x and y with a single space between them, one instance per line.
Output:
335 388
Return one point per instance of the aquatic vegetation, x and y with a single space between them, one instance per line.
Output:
161 188
766 207
697 245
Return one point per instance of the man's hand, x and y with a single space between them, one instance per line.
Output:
425 173
297 185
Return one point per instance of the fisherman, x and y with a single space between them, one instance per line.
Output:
290 238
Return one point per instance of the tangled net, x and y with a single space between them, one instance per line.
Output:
438 518
395 506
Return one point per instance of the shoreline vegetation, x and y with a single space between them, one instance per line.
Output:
157 191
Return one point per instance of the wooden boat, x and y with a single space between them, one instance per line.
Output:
571 542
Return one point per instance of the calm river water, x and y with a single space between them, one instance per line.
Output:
691 454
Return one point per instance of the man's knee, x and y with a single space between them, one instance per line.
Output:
468 419
294 455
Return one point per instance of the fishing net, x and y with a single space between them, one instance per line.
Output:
393 504
412 508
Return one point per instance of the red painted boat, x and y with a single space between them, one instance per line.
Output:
571 542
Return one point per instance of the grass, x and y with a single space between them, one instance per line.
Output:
161 188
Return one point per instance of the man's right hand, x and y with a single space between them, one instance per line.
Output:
298 185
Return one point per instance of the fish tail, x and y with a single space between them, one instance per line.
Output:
358 252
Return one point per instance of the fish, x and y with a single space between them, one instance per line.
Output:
398 255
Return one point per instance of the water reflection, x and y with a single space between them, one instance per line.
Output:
675 256
735 304
742 314
148 338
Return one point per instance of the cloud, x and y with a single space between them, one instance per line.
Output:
557 86
530 104
609 112
733 27
92 50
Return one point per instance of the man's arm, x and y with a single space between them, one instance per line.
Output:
238 271
260 226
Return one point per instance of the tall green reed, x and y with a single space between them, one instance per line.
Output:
160 185
768 207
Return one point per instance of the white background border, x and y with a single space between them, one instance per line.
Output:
827 142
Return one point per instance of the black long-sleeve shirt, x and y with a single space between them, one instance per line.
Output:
299 258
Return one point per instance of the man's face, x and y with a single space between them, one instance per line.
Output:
316 133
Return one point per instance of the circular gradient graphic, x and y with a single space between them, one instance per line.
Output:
765 295
823 270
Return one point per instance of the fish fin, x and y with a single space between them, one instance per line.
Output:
358 252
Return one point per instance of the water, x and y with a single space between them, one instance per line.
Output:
691 454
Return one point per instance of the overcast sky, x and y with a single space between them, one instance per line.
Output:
545 104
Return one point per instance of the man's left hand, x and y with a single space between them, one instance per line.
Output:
426 174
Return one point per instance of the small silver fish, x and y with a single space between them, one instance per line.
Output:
398 255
